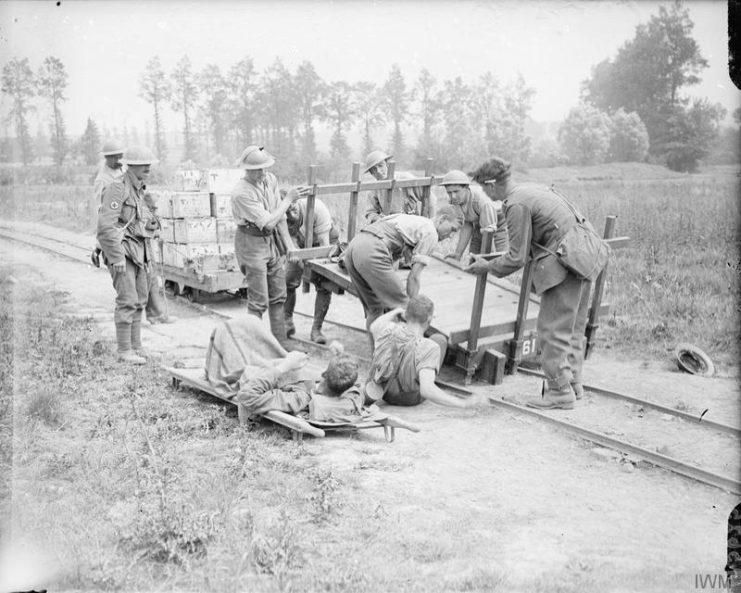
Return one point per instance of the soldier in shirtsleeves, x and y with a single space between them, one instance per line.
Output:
262 240
371 255
479 213
406 200
324 233
536 215
122 233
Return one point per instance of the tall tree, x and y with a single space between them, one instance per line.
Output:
649 71
369 110
629 140
340 113
585 135
241 86
462 139
183 99
18 81
429 113
398 99
52 82
310 90
155 89
214 95
691 134
90 142
278 107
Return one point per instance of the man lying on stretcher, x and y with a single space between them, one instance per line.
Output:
337 397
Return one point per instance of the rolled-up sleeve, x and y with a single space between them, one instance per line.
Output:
520 229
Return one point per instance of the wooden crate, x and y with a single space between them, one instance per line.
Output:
167 232
182 256
222 181
221 205
226 229
195 230
190 204
162 202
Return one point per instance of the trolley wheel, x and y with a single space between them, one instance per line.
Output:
193 295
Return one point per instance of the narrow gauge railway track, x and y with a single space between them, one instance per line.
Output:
686 421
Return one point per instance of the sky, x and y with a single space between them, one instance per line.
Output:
105 45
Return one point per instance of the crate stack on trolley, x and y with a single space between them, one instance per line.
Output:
197 236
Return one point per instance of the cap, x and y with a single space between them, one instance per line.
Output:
138 155
455 177
255 157
111 147
374 158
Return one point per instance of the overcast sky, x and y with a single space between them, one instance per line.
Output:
552 43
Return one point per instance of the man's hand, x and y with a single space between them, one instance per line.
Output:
478 265
296 193
120 267
293 360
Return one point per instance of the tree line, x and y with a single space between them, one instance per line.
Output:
631 109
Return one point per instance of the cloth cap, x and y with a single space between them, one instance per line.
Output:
255 157
455 177
374 158
111 147
138 155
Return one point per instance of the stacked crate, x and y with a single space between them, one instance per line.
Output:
197 229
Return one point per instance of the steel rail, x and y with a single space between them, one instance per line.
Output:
692 418
679 467
48 244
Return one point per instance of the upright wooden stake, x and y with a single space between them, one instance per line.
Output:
599 287
476 310
515 344
353 213
427 189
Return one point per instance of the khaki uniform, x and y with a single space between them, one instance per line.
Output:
122 236
534 214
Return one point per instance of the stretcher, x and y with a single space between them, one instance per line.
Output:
195 379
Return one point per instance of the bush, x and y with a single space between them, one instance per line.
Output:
585 135
629 142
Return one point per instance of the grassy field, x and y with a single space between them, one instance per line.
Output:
677 282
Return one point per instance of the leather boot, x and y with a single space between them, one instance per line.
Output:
321 306
554 398
123 341
288 308
278 325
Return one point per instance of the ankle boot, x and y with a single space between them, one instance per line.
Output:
288 308
321 306
278 325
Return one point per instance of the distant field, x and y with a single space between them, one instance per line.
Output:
677 282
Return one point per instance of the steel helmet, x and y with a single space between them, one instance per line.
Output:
138 155
374 158
255 157
455 177
111 147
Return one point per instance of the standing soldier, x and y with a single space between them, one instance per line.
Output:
537 219
109 171
122 234
262 238
324 233
479 212
406 200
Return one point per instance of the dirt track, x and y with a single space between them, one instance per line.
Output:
514 497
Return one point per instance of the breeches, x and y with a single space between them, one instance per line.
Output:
132 291
370 266
561 324
294 272
264 270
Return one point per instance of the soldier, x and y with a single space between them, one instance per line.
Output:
122 234
324 233
479 212
371 255
406 200
262 238
109 171
536 216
